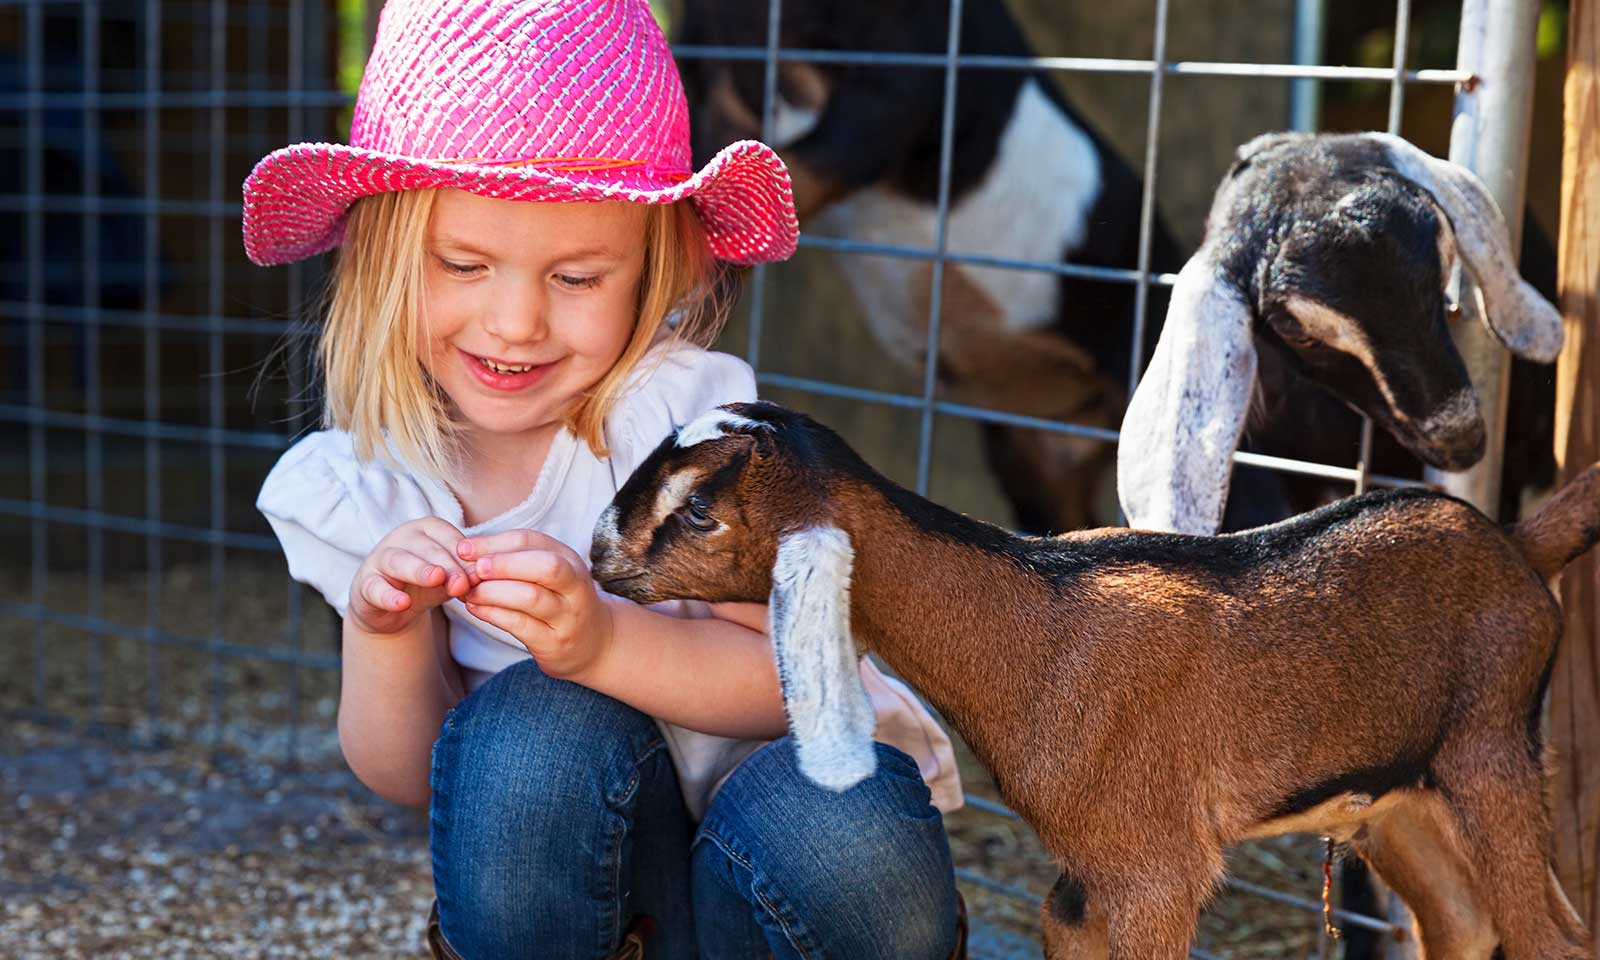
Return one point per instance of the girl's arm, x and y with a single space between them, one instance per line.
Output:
394 691
398 678
711 675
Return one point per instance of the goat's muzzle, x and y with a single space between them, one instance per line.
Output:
1452 438
610 570
1458 452
632 587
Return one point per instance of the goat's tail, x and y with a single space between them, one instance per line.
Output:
1565 528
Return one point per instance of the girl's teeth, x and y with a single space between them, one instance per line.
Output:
501 368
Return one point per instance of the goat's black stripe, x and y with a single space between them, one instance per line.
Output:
1225 557
1409 769
815 447
711 487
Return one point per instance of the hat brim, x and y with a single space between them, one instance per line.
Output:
296 198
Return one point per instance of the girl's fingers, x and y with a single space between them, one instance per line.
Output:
435 539
530 630
528 598
438 529
459 577
508 541
384 595
404 565
544 567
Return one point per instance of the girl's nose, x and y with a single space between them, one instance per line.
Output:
518 315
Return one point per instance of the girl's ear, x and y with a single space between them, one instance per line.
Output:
1175 455
829 715
1522 319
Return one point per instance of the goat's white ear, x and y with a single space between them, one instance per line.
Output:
829 714
1181 427
1524 321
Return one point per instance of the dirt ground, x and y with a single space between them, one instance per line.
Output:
187 831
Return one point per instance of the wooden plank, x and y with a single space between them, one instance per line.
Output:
1575 684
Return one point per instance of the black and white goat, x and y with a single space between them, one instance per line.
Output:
1325 259
1371 671
1030 180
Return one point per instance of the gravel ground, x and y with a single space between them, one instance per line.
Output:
117 850
187 831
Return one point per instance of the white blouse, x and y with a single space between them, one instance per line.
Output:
329 510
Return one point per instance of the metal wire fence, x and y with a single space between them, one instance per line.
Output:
100 266
147 271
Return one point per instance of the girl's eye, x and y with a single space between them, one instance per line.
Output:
577 283
697 514
460 269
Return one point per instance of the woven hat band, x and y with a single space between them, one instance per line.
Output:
575 165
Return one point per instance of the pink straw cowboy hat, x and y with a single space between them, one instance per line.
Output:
557 100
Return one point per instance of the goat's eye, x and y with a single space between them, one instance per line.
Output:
697 514
1303 341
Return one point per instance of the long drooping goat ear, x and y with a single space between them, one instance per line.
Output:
1524 321
829 714
1183 423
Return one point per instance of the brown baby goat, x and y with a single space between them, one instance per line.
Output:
1372 671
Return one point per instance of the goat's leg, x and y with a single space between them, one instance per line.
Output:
1416 848
1496 792
1155 919
1074 926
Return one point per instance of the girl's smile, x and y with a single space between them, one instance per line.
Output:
504 375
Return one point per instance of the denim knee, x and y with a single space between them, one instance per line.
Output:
863 873
532 778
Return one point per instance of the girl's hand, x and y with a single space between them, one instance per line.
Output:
408 573
538 590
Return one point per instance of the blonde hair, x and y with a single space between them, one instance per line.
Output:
369 349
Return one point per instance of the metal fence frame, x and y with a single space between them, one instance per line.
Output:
1492 77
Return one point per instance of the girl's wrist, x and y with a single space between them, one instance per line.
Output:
602 665
391 623
418 629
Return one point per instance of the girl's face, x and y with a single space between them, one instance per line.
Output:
528 305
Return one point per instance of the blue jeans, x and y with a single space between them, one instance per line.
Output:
557 817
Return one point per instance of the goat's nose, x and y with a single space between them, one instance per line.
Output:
1455 432
1463 448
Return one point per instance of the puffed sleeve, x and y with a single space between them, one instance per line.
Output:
310 506
670 388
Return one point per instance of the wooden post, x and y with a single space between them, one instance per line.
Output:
1575 684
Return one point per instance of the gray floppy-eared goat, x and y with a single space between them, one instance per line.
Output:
1371 671
1331 251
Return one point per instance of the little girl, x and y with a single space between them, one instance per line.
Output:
517 319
